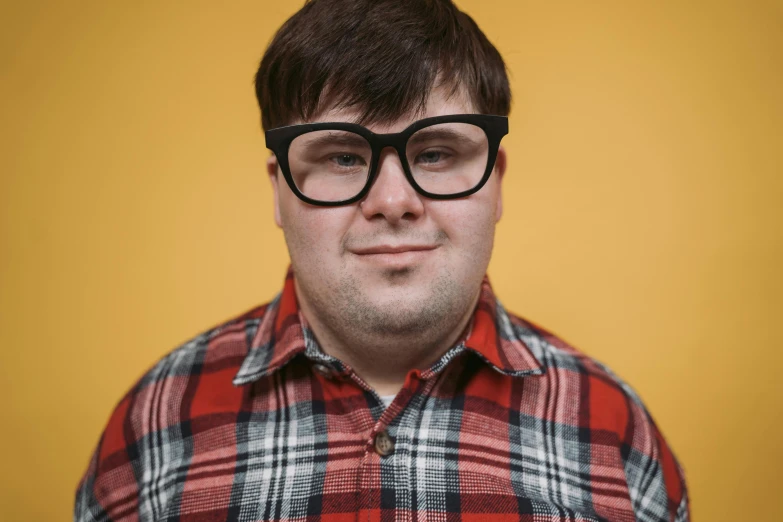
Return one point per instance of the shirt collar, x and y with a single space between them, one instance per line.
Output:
506 345
510 346
278 339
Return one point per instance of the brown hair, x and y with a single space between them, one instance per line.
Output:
380 56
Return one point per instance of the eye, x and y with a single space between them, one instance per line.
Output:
431 156
347 160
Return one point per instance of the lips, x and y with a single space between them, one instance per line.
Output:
392 249
395 257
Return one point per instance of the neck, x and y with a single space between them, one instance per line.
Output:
383 361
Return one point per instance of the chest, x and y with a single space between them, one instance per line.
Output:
429 456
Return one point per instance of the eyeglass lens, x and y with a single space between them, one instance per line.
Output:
333 165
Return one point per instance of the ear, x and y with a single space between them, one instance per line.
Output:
273 171
500 170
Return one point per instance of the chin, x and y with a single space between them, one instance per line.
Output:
396 294
405 275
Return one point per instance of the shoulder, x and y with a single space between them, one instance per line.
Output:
611 404
212 357
191 384
568 364
602 404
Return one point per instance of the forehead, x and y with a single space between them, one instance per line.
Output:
440 102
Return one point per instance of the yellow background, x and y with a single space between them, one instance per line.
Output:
643 217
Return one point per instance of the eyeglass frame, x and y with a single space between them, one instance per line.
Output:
279 139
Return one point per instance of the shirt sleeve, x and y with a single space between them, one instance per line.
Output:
683 510
109 489
656 481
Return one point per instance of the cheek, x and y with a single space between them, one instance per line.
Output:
312 232
469 223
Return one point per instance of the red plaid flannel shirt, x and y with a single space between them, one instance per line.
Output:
252 421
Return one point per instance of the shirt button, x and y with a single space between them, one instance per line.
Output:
324 370
384 446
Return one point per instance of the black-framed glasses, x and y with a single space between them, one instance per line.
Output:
443 157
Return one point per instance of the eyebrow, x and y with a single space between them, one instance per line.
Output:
345 139
435 134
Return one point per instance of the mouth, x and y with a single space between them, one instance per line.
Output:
392 249
398 256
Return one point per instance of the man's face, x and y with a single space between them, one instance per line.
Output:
396 261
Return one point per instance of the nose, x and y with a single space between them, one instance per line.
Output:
391 196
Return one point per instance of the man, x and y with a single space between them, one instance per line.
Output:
385 382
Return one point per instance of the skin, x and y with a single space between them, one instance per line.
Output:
384 314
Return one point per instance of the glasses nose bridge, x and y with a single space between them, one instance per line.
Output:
395 140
